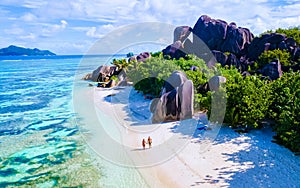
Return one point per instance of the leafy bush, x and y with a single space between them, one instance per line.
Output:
269 56
247 99
149 76
120 63
157 54
189 61
292 32
285 110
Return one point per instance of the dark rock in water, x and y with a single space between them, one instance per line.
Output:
181 33
272 70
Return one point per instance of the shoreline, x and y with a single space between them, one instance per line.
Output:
230 159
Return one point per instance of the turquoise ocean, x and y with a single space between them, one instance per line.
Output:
40 142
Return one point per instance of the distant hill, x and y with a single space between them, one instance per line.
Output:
20 51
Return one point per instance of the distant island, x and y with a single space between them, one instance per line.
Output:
20 51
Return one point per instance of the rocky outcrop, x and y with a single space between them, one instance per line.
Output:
220 36
211 35
102 73
230 45
271 41
181 33
272 70
175 50
176 79
111 83
176 100
142 57
105 72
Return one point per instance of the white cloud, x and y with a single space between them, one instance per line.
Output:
64 23
29 17
14 30
30 36
51 29
99 32
94 19
34 3
92 32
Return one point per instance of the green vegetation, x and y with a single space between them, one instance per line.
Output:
120 63
292 32
250 100
247 99
149 76
285 110
266 57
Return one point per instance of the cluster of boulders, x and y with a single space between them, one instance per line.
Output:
175 101
272 41
230 45
209 34
142 57
221 36
104 73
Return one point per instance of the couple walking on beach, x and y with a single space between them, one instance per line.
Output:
149 142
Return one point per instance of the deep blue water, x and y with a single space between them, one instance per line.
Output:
39 139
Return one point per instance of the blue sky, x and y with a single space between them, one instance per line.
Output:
72 27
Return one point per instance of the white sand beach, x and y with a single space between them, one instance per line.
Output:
182 155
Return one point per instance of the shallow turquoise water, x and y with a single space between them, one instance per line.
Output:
39 140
